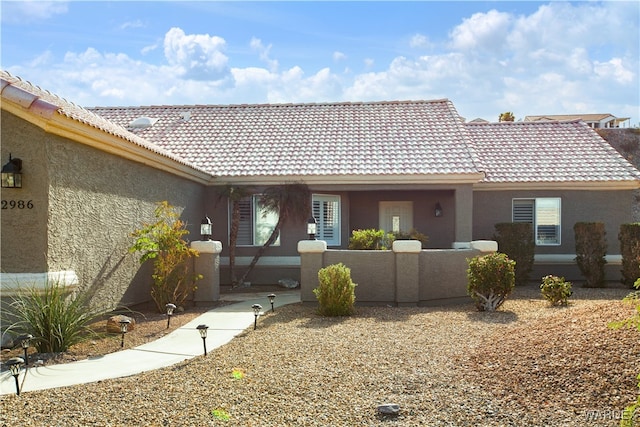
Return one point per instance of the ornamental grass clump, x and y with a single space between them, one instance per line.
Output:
556 290
336 291
491 278
55 317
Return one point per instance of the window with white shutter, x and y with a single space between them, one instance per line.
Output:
256 224
326 211
543 214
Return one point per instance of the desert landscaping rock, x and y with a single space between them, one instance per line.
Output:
528 364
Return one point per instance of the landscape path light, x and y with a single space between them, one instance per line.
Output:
14 366
25 341
124 325
271 298
257 308
170 307
203 334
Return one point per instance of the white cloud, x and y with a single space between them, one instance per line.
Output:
615 70
419 41
264 52
339 56
132 24
196 56
26 11
484 31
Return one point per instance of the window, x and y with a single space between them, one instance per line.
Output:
256 224
543 214
326 211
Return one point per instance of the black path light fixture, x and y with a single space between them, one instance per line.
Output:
205 228
14 366
257 308
12 173
203 334
124 326
271 297
438 210
25 342
170 307
312 228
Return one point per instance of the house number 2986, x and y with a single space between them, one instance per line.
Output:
17 204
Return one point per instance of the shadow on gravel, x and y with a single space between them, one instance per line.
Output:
500 317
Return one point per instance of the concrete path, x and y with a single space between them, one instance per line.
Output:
184 343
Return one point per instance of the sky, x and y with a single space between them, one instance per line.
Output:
530 58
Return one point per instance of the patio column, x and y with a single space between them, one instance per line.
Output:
407 253
311 261
464 214
207 264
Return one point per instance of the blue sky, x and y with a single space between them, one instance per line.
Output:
530 58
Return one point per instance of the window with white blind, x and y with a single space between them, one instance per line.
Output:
543 214
256 224
326 211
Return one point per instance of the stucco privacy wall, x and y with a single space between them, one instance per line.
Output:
95 200
611 207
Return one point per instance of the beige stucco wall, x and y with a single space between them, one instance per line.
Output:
92 201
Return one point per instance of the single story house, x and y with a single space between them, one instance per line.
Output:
596 121
92 176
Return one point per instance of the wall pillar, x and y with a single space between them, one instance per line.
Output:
208 265
407 253
311 261
464 214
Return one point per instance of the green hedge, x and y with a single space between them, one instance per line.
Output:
591 249
629 237
516 240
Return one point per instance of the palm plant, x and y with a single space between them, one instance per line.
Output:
234 194
292 203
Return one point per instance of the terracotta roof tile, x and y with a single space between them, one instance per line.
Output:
556 151
377 138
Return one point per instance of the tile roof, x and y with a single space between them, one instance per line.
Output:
585 117
332 139
560 152
45 103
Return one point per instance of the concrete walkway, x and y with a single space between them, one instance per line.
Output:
184 343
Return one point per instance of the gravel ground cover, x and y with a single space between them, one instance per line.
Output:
528 364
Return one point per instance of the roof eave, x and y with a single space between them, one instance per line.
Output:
470 178
568 185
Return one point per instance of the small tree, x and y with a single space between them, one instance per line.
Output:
163 242
506 117
336 291
591 249
491 279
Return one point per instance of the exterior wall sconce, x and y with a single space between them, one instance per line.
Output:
170 307
438 210
271 297
203 334
205 228
257 308
124 325
14 366
312 228
12 173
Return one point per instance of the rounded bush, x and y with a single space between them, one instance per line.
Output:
556 290
336 291
491 278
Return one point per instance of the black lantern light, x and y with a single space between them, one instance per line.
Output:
438 210
271 297
25 341
12 173
14 366
170 307
312 228
205 228
124 325
257 308
203 334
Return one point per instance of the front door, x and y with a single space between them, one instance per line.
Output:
396 216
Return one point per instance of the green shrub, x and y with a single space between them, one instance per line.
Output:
56 318
591 249
163 243
556 290
413 234
491 279
370 239
336 291
516 240
629 237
